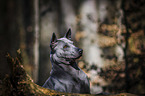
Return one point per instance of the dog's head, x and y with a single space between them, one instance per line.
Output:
63 49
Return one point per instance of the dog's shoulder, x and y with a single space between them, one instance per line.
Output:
82 75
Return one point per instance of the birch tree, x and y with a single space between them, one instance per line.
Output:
36 40
89 23
97 40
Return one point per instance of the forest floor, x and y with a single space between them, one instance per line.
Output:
19 83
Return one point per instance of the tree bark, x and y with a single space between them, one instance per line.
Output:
98 24
68 17
89 28
36 40
89 24
48 24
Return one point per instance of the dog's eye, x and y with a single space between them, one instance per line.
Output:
66 46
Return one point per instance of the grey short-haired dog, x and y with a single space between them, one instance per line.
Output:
65 75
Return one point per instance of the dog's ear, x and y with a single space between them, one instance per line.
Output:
53 39
68 34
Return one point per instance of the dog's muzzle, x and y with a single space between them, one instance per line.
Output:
80 51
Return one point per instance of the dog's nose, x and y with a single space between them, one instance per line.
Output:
80 51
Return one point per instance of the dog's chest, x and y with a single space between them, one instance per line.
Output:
76 76
76 82
65 78
70 76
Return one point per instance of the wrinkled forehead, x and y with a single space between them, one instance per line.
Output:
65 40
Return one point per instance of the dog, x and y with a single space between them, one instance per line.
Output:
65 75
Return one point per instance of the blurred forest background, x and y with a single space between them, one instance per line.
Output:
111 33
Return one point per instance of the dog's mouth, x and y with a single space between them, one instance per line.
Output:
78 56
74 64
80 53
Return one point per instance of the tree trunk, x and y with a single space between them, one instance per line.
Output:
9 34
92 53
68 17
98 24
36 40
48 25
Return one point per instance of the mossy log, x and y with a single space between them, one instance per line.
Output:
19 83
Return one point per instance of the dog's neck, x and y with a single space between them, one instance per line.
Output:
60 68
70 66
63 62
